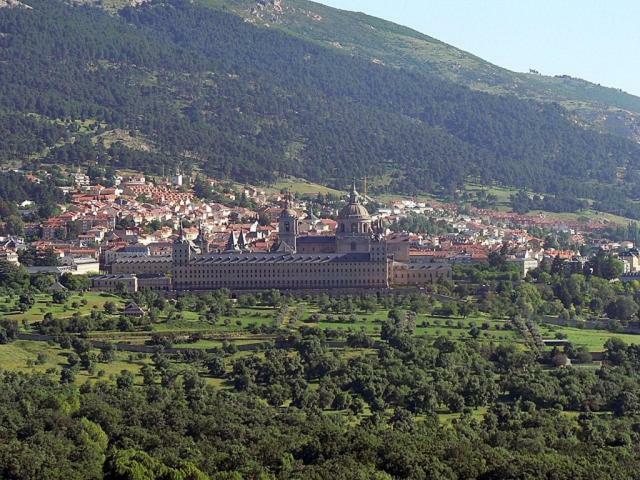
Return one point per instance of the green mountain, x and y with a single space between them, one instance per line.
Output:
607 109
256 90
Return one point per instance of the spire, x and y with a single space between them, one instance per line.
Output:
312 215
242 240
181 237
232 242
287 200
202 239
353 196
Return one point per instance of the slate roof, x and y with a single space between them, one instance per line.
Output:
133 309
279 258
144 259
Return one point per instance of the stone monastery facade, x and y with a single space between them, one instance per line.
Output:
358 257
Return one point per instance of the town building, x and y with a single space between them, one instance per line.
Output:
115 283
630 259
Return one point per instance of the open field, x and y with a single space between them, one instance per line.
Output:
594 340
245 325
502 194
84 304
584 215
246 322
304 187
30 356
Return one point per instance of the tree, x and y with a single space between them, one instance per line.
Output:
583 355
466 309
264 219
77 283
605 265
626 403
107 354
623 308
216 365
67 376
110 307
9 329
74 229
272 298
13 225
59 296
125 380
497 260
133 464
474 331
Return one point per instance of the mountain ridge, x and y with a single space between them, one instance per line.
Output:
605 108
238 99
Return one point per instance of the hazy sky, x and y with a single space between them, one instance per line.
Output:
598 40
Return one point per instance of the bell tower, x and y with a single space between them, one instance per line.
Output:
288 225
202 241
181 249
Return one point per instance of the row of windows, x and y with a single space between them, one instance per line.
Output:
277 272
256 270
418 276
253 283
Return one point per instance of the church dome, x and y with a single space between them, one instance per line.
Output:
354 208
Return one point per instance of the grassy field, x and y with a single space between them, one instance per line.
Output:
448 418
24 356
245 318
502 194
32 356
594 340
257 324
44 304
304 187
584 216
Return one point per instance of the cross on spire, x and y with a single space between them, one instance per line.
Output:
354 197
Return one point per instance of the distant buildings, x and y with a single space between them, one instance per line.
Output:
631 259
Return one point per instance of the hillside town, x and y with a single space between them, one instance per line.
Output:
123 235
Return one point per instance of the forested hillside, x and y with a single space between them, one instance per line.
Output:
607 109
203 87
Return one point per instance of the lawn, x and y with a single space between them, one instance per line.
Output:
44 304
303 187
432 327
584 215
244 319
22 356
448 418
594 340
502 194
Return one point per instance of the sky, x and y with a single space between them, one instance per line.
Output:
597 40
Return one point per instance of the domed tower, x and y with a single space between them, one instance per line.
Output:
288 226
354 226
